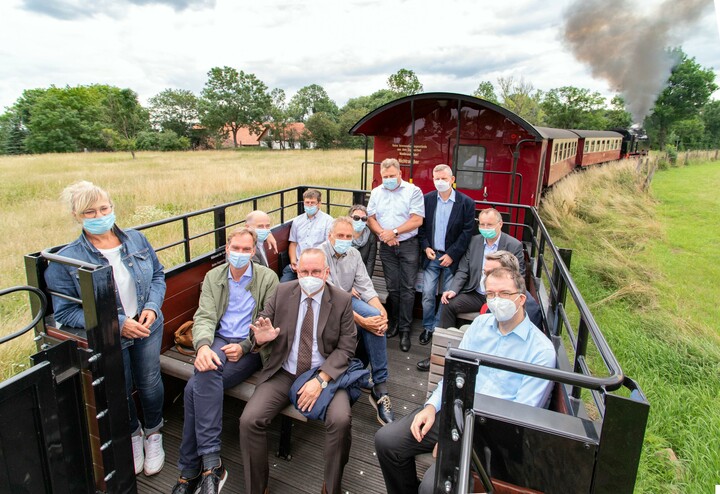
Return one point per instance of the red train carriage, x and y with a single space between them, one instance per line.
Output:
561 156
598 146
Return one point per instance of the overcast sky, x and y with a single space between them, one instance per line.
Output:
349 47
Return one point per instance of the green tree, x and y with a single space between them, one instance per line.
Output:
689 89
12 134
278 125
404 82
66 119
126 118
234 99
310 100
570 107
372 102
323 129
711 119
345 122
520 97
486 91
690 133
176 110
617 116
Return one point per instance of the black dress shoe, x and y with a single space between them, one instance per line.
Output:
392 331
423 365
425 337
405 341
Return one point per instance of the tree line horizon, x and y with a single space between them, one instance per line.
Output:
101 117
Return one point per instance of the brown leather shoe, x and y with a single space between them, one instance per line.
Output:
324 490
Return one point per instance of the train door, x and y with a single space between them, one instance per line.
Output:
469 166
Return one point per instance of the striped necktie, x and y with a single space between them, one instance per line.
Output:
304 359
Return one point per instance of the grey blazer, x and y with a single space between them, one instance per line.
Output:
469 272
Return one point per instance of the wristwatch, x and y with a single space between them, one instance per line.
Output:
323 384
395 232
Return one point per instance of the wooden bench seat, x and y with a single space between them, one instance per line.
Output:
174 363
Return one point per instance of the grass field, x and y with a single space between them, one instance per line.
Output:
648 265
149 188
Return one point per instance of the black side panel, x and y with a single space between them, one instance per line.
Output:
31 452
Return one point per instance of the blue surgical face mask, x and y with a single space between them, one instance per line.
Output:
98 226
342 246
311 210
488 233
238 259
390 183
359 225
262 234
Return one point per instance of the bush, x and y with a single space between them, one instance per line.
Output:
672 154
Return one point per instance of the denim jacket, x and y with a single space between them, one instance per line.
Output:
140 260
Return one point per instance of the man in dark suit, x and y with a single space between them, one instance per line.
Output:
447 228
307 324
466 293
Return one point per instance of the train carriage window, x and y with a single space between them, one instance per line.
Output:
587 146
470 165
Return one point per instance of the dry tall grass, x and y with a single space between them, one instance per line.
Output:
151 187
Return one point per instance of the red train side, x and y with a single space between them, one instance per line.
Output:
495 154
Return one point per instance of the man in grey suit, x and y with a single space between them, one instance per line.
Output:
307 324
466 293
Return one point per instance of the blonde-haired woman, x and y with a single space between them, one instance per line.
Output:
139 292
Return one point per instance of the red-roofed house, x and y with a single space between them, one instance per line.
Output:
294 136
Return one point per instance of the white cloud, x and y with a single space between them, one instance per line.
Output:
349 48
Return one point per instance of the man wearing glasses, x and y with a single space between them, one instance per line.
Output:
507 332
467 293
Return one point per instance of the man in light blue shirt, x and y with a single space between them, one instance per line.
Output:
507 332
308 231
395 211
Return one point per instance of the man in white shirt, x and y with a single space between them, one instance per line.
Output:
395 211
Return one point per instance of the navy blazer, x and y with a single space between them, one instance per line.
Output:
460 228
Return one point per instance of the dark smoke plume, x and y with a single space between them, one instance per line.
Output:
629 49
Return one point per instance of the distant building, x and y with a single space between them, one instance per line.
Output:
244 138
293 136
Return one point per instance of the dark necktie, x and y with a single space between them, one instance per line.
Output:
304 359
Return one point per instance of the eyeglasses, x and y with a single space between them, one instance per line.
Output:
492 295
317 273
92 213
359 218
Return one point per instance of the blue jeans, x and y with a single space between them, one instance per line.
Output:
288 274
431 275
141 361
203 401
375 346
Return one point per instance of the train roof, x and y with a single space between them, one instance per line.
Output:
375 122
551 133
596 133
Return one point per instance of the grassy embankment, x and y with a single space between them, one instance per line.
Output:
149 188
649 265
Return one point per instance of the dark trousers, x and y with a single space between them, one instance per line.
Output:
268 400
400 266
204 406
396 450
462 302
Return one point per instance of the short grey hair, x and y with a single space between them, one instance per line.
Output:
81 195
389 163
505 258
443 168
252 216
492 211
357 207
339 221
315 251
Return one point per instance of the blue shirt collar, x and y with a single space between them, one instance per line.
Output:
522 330
451 198
246 274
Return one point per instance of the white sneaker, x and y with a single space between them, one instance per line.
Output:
154 454
138 455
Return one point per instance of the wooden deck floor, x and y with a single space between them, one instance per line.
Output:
303 474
